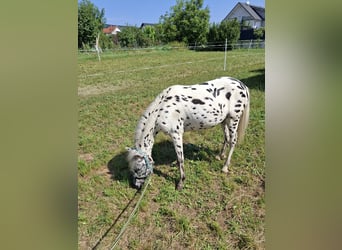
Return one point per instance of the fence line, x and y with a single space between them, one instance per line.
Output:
88 90
164 66
243 44
153 67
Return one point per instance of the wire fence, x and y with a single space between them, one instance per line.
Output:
254 47
221 45
248 54
242 44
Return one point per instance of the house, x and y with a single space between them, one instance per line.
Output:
248 15
111 30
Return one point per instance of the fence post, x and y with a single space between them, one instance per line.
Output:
225 56
97 46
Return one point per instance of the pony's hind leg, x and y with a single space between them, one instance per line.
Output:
222 154
178 144
232 130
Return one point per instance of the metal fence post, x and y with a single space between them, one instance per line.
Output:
225 56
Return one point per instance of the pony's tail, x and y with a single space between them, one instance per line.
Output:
243 122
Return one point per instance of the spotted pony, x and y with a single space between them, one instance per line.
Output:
181 108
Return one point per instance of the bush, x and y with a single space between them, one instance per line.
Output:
218 33
106 42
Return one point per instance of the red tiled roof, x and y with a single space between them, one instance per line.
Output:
109 29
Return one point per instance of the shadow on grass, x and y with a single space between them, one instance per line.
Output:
257 81
163 154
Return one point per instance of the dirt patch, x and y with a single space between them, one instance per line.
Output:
97 90
86 157
100 171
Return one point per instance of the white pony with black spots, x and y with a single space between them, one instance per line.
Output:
181 108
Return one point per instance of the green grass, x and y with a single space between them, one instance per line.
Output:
214 210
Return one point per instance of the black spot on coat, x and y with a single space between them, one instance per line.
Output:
198 101
218 91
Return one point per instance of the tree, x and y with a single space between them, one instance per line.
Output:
213 35
106 41
259 33
187 22
129 37
168 30
91 21
229 30
149 34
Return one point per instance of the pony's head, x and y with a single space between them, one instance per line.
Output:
140 166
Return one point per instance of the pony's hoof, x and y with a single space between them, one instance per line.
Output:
225 170
179 186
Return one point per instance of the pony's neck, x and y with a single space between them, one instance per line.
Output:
144 137
145 132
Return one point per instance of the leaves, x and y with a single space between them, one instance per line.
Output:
91 21
187 22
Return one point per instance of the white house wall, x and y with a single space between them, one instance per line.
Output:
257 24
238 13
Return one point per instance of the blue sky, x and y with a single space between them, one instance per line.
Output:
135 12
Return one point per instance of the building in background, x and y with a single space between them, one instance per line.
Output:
249 16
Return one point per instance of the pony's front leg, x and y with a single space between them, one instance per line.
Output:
178 144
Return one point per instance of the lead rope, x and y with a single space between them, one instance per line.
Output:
132 214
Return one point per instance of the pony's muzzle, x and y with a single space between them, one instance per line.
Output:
138 182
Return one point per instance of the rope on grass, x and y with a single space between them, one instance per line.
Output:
129 219
123 229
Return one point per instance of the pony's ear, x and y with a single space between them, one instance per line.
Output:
136 157
135 152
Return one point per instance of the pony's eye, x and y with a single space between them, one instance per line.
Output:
138 158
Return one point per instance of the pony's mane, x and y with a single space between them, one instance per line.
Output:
148 118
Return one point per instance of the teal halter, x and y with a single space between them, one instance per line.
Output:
147 161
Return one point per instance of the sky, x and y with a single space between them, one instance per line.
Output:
136 12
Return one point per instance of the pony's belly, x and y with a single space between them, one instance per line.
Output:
202 121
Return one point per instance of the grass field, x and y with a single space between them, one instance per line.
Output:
214 210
